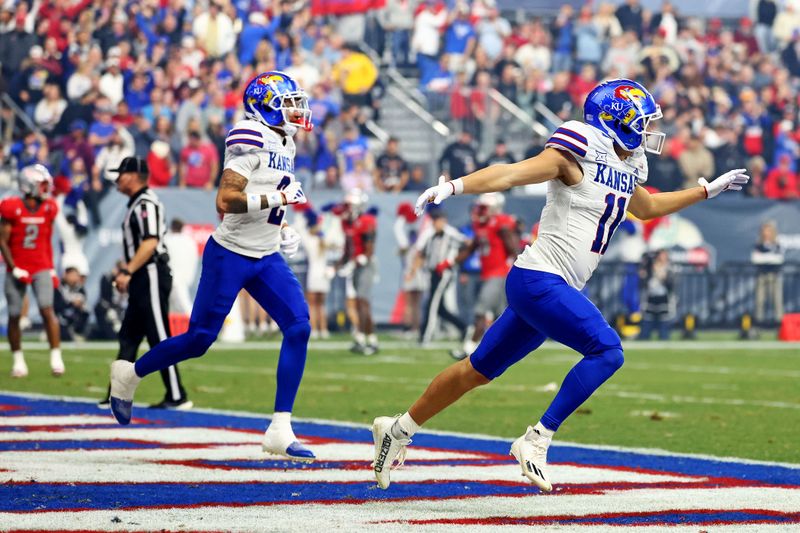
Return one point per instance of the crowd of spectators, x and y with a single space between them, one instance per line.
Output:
728 88
162 79
100 80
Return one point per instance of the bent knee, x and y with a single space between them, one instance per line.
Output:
300 331
472 375
614 358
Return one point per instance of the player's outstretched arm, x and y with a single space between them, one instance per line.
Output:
646 206
548 165
231 197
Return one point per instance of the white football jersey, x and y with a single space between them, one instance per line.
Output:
266 159
578 221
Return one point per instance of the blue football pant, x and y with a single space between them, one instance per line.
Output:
273 285
542 305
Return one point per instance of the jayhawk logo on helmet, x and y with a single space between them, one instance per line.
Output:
276 100
623 110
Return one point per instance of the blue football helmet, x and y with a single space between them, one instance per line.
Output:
276 100
623 109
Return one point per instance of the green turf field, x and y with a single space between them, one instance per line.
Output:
721 397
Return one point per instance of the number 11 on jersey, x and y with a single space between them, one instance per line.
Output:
600 238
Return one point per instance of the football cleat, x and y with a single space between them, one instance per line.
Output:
388 449
458 354
57 365
370 349
20 369
284 444
177 405
123 384
530 450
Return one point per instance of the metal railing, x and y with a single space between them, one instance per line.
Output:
518 114
718 299
7 126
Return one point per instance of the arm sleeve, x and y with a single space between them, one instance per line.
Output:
147 218
243 163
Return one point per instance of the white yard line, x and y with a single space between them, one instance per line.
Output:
738 346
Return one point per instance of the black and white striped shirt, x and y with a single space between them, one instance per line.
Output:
145 219
437 247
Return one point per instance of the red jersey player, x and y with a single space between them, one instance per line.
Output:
26 230
496 244
359 229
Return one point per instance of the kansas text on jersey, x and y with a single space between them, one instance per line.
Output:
578 221
266 159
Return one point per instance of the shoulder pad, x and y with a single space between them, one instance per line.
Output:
573 137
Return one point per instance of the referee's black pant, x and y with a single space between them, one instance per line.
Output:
436 308
148 316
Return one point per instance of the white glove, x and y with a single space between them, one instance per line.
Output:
362 259
346 269
290 241
294 194
438 194
730 181
20 274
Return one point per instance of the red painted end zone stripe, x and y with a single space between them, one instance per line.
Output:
581 520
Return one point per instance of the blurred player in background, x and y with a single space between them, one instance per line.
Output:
26 231
257 183
496 243
359 228
594 171
318 276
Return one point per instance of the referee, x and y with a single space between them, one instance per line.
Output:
146 276
437 248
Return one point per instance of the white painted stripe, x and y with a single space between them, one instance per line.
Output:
60 421
751 349
390 517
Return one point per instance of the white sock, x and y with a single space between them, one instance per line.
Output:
543 431
55 355
281 421
360 337
18 357
406 425
372 339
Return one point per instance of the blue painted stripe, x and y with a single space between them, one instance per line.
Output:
579 151
58 496
252 142
574 134
243 131
62 445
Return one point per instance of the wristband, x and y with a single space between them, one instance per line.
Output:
125 271
275 199
253 203
458 186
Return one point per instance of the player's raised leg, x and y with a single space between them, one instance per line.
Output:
221 279
546 302
508 340
277 290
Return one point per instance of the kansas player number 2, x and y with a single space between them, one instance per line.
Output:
276 213
600 244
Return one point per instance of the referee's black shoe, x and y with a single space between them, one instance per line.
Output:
178 405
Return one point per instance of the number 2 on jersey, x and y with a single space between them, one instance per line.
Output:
276 214
597 246
31 234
